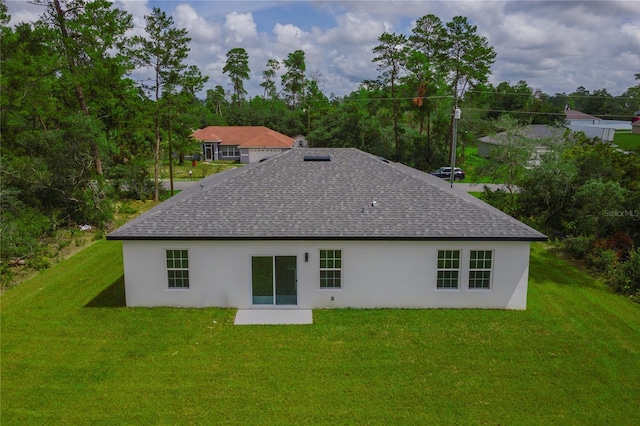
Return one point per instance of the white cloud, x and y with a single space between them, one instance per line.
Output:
291 36
631 33
554 45
352 29
240 27
629 59
199 29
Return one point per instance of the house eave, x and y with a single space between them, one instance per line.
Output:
321 238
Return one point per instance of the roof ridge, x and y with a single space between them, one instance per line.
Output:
286 197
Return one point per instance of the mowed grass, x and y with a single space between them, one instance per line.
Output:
201 170
626 140
473 165
572 357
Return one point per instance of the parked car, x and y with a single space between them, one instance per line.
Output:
445 173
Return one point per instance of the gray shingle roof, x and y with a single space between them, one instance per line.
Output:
286 197
532 131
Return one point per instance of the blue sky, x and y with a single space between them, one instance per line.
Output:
554 46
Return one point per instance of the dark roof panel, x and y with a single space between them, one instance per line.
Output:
289 198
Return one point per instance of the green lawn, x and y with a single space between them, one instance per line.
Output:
68 358
201 169
627 140
472 166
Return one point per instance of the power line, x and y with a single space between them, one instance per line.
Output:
501 111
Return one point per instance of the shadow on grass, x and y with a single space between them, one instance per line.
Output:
111 297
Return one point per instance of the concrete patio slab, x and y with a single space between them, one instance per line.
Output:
273 316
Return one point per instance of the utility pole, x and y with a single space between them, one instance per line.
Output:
308 126
456 117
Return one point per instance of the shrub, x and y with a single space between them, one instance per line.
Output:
126 208
38 263
501 200
63 244
578 247
132 181
625 278
95 205
22 234
602 259
6 276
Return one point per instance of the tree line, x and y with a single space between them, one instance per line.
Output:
584 194
79 133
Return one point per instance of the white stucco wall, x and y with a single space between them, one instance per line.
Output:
595 131
375 274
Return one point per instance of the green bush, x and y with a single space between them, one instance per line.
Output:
578 247
501 200
126 208
132 180
99 235
38 263
63 244
96 206
22 233
601 259
625 277
6 276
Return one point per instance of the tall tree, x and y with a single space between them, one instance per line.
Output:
87 35
163 51
469 56
178 115
269 79
468 59
429 38
27 82
293 80
215 99
391 58
426 64
237 67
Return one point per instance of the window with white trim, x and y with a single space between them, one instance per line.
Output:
178 268
480 263
230 150
331 269
448 273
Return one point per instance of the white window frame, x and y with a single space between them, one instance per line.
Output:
448 268
182 268
334 269
229 151
481 268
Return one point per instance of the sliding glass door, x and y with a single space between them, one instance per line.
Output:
274 280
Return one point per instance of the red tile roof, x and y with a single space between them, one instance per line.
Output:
244 136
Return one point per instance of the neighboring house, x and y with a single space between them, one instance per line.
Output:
543 136
594 127
247 144
326 228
